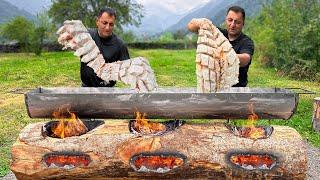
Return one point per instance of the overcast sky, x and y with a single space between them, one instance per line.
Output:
179 6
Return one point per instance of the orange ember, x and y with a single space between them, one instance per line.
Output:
144 126
69 125
256 161
62 160
156 162
252 131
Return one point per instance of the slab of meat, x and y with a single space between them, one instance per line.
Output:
136 71
217 64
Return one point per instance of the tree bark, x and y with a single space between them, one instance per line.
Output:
316 115
205 147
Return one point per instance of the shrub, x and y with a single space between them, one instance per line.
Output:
286 35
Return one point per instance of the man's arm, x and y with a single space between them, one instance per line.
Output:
124 53
246 52
244 59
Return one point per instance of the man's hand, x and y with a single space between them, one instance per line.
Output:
217 64
244 59
136 72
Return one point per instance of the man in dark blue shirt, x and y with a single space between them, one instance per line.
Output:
241 43
111 47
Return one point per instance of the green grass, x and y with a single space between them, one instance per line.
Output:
21 72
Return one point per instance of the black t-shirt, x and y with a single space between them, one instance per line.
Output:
113 49
243 44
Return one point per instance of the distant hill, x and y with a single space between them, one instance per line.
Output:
251 7
32 6
215 10
156 20
9 11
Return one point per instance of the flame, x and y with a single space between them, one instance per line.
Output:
62 160
155 162
144 126
253 131
69 125
256 161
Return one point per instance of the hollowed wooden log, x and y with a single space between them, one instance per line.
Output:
193 151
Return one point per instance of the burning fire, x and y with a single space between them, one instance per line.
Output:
69 125
67 160
157 163
252 131
144 126
251 162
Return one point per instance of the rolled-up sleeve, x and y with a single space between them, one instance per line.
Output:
247 47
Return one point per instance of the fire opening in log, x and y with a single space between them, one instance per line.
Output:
252 161
66 160
143 126
252 131
159 162
48 128
257 132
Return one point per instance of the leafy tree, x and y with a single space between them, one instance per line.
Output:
30 35
18 29
180 34
128 11
128 36
166 37
36 40
44 21
287 36
43 30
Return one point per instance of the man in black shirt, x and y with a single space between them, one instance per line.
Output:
111 47
240 42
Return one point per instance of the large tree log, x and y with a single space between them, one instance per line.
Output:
202 151
316 115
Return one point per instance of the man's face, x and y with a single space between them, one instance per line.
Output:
105 25
234 22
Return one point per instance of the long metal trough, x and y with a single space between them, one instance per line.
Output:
165 103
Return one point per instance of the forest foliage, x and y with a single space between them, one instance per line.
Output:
287 37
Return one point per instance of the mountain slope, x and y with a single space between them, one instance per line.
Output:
155 20
215 10
206 11
251 7
8 12
32 6
159 15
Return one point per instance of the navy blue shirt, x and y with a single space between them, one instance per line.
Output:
113 49
243 44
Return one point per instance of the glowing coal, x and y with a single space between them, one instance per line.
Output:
250 161
157 162
142 126
66 160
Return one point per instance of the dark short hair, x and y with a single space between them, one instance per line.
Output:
108 10
238 9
